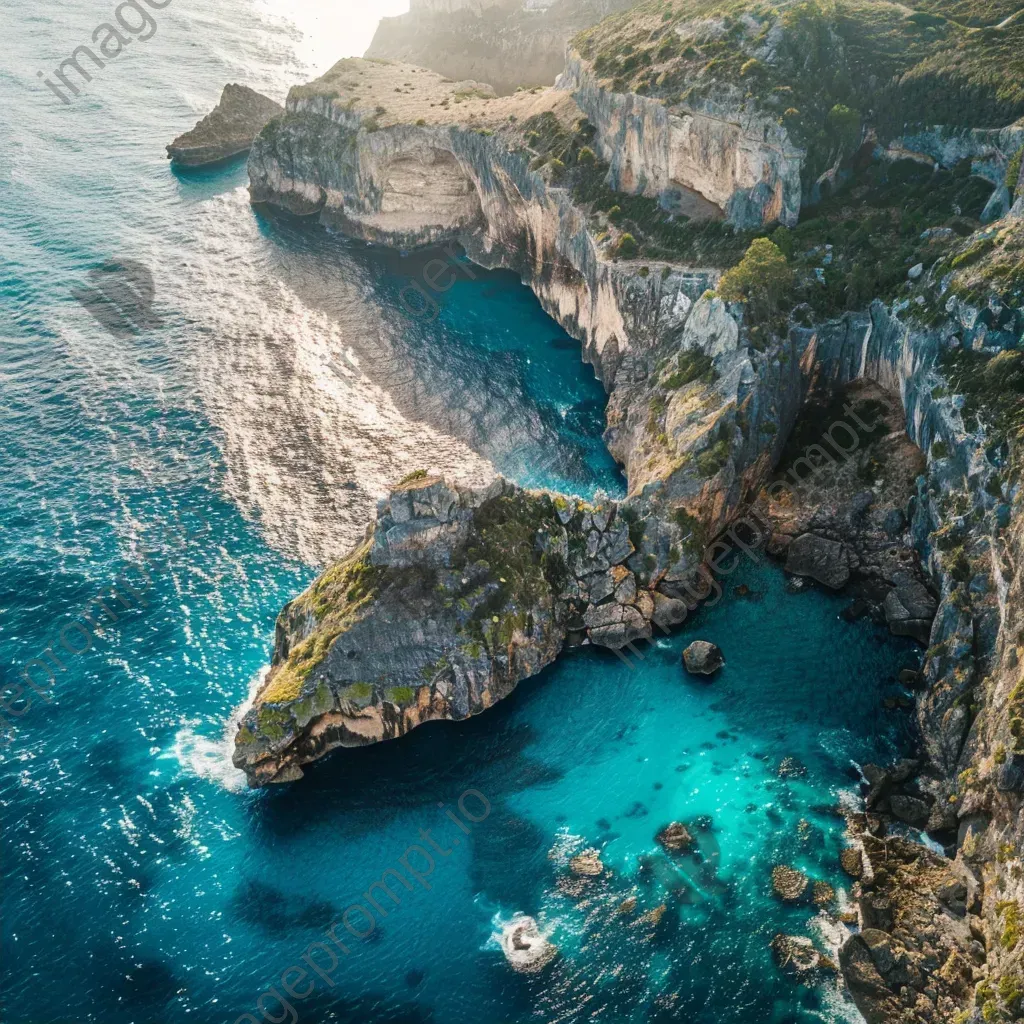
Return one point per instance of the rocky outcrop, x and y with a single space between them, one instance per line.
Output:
797 957
227 131
702 658
989 150
587 864
526 949
788 883
509 43
456 595
915 958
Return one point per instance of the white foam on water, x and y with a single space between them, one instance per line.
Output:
210 759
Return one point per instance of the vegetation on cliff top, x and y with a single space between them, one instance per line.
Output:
333 602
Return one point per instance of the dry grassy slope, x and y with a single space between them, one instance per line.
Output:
393 92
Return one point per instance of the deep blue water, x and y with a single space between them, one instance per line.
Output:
205 468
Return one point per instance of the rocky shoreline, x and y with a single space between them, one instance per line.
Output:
456 595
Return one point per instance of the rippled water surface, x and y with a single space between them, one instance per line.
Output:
193 477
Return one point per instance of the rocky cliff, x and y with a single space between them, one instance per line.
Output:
455 597
707 158
509 43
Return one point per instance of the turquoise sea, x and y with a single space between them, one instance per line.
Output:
204 469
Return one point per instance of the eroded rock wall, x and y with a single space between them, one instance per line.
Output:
743 163
475 189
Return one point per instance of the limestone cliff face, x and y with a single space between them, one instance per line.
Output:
740 162
509 43
960 914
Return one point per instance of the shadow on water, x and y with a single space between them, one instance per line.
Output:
196 184
355 791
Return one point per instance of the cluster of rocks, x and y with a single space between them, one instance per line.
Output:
792 886
917 954
899 791
829 527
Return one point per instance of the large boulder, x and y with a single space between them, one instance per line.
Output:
826 561
910 809
702 658
909 608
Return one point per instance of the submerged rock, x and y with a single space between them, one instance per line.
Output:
228 130
526 949
797 956
788 883
587 864
702 658
675 837
791 768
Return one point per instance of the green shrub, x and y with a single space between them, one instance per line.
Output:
762 279
710 461
1010 912
1013 171
626 246
692 364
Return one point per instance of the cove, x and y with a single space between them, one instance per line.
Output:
145 884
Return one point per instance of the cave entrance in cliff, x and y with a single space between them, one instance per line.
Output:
683 200
428 188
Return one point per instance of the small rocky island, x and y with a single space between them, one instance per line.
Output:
227 131
797 271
